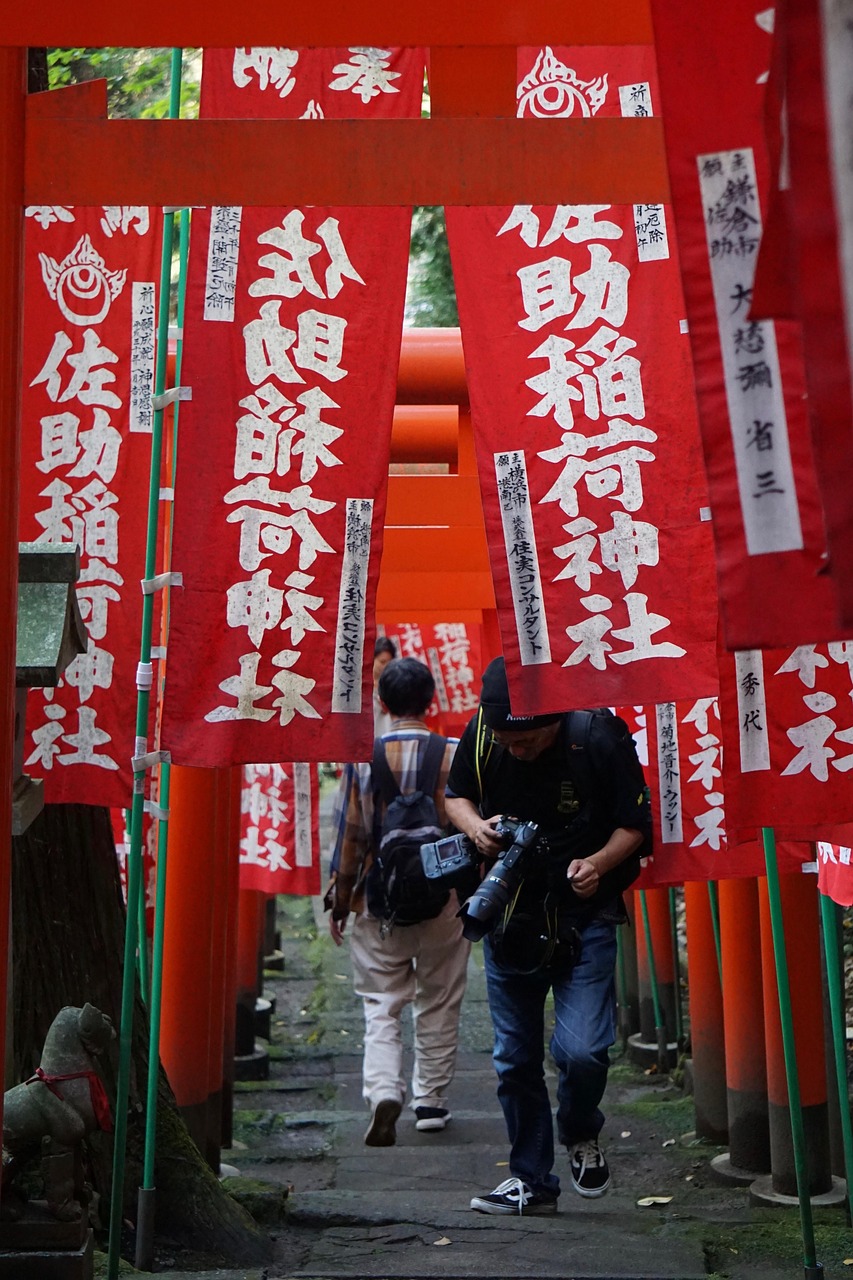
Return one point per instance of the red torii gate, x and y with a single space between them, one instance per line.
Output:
60 148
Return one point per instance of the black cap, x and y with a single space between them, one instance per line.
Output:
494 701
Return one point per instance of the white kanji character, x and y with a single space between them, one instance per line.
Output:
841 651
546 292
45 214
642 625
96 529
100 446
59 447
263 444
367 73
321 344
277 854
89 671
255 605
292 272
267 343
247 692
272 64
88 382
294 689
252 852
710 824
602 476
85 740
629 544
578 553
46 737
273 530
94 594
316 434
701 712
619 387
56 519
300 603
805 661
122 217
574 222
589 634
605 290
812 736
706 760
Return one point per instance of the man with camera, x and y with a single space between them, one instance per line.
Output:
556 808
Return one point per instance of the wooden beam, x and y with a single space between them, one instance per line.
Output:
345 162
212 23
405 594
417 550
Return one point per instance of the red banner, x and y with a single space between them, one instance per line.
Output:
687 782
767 517
279 835
834 871
787 718
453 653
819 75
584 416
291 349
89 335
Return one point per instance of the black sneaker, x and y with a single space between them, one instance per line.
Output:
381 1131
515 1196
590 1174
431 1119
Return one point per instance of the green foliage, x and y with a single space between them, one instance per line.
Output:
137 79
431 298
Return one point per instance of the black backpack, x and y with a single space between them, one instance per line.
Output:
397 890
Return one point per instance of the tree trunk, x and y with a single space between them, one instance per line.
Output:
68 948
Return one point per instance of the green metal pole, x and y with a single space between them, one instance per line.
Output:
812 1268
676 963
660 1028
839 1037
142 947
134 857
146 1199
714 901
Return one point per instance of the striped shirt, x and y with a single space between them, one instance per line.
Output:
354 815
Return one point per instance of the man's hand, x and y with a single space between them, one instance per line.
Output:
583 877
336 928
480 831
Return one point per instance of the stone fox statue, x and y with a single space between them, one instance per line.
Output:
58 1106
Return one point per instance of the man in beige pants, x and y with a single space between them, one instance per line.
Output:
422 964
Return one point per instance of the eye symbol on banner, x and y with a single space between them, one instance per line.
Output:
82 277
553 89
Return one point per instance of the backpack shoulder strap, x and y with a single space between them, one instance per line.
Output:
384 782
577 731
431 764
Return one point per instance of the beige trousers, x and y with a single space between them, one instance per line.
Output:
424 965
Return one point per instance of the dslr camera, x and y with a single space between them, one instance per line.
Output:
456 856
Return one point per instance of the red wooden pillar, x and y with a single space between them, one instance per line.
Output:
644 1045
219 867
743 1020
706 1017
188 944
802 943
230 950
13 91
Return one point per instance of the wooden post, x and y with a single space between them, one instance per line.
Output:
706 1017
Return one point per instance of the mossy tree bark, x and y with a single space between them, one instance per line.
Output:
68 947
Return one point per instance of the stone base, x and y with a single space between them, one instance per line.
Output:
275 961
644 1053
37 1229
762 1195
723 1169
252 1066
49 1264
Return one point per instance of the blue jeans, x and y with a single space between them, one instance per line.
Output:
584 1030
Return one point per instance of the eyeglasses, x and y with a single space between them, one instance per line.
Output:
521 739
